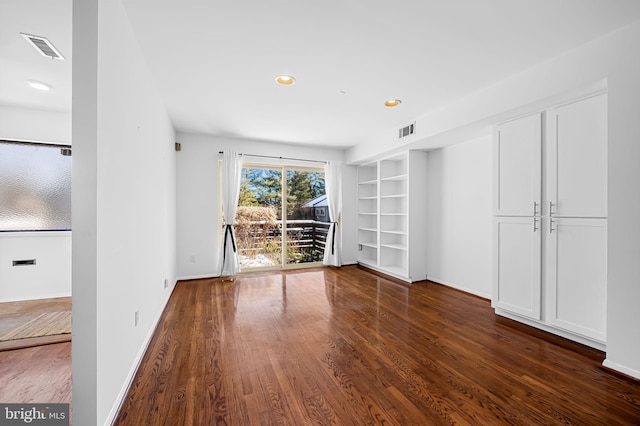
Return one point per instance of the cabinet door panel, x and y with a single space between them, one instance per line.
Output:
517 265
577 158
576 278
518 166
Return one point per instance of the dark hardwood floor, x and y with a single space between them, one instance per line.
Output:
37 369
345 346
40 374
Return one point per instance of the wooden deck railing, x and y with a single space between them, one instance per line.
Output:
306 239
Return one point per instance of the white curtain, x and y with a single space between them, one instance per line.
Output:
333 188
231 175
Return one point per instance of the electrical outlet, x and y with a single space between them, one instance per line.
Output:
137 318
166 283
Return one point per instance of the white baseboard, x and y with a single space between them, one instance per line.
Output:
549 329
136 364
197 277
459 287
385 272
206 276
36 297
621 368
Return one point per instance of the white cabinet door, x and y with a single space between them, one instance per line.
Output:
518 156
517 257
576 276
577 158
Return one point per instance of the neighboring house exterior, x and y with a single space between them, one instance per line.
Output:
317 209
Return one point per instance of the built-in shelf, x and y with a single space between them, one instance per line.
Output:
390 239
368 206
397 177
398 271
394 231
369 261
372 244
368 229
395 246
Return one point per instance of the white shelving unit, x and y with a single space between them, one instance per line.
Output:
368 214
396 245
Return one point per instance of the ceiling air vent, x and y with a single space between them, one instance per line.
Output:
407 130
43 46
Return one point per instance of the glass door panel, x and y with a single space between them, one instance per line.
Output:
258 223
307 216
262 216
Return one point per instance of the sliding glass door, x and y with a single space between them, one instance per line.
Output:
282 217
258 223
306 216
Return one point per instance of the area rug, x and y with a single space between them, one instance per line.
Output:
46 324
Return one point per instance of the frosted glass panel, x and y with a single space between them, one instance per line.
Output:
35 188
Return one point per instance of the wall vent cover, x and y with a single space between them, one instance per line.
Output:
407 130
43 46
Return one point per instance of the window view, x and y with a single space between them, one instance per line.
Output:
271 233
35 194
307 216
258 223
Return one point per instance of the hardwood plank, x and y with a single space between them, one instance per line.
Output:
11 345
38 374
16 314
345 346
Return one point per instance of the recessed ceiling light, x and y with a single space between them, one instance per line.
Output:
39 85
285 80
392 103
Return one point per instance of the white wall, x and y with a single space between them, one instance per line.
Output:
623 244
123 208
611 61
51 274
459 216
198 196
33 125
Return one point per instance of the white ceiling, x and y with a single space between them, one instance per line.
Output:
214 62
20 62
